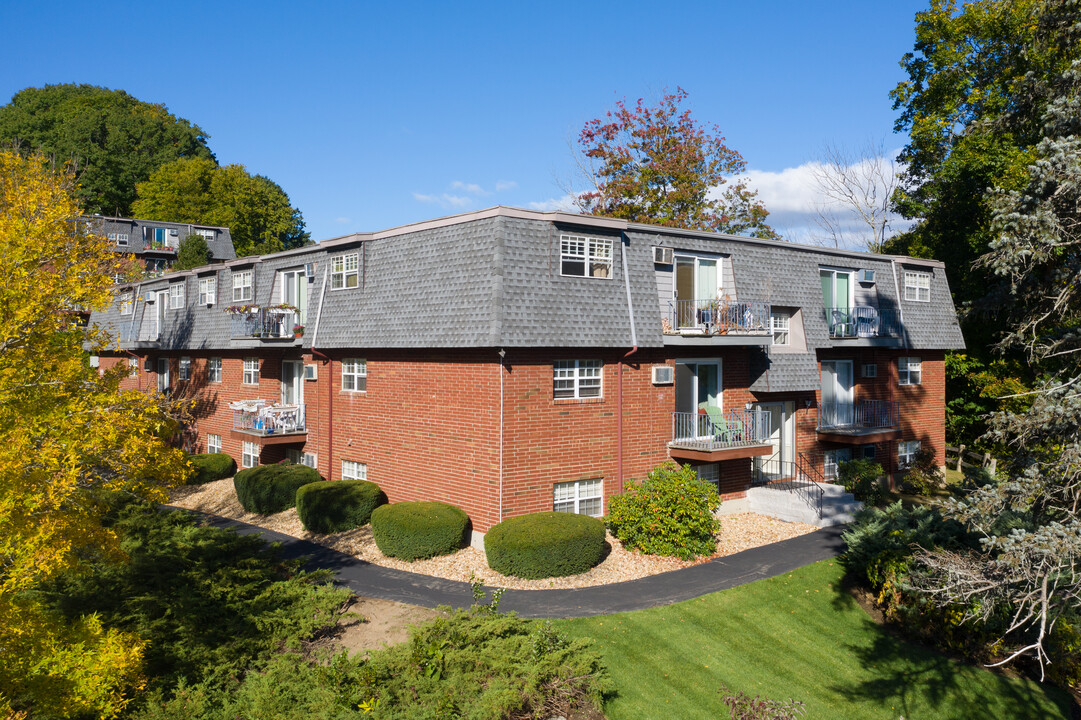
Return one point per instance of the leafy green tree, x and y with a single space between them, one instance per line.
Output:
193 253
111 139
658 165
195 190
1028 576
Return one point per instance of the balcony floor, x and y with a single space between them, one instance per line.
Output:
277 438
699 450
858 436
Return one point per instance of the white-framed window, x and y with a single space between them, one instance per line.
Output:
249 454
118 238
185 368
354 375
833 459
133 367
906 453
251 371
779 322
207 235
909 371
302 458
585 256
213 443
176 296
213 370
208 290
917 286
158 238
345 271
581 497
576 379
163 375
242 285
127 302
353 470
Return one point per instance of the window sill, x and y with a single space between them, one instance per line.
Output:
577 401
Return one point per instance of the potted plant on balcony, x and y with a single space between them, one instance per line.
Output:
298 330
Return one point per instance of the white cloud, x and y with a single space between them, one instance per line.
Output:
565 203
461 194
471 188
502 185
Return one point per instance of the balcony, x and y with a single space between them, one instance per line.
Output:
272 323
859 422
721 321
720 436
271 424
863 321
162 247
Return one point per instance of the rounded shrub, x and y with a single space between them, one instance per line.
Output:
334 506
669 513
547 544
419 530
863 478
269 489
208 467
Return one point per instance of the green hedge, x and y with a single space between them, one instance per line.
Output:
547 544
269 489
419 530
208 467
328 507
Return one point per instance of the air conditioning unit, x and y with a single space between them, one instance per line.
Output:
309 270
150 295
866 276
663 374
662 255
174 232
311 372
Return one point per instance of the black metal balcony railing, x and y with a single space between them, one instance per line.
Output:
862 321
717 317
861 415
264 323
735 428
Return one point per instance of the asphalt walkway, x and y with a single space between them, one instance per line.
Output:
370 580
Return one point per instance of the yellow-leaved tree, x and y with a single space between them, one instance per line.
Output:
68 434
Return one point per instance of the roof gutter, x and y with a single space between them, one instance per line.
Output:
634 348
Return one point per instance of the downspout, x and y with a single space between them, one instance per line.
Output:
138 295
330 379
901 331
632 351
502 355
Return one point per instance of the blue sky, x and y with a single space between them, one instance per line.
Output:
372 115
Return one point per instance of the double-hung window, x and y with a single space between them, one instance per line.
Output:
298 457
585 256
249 455
906 453
213 443
176 296
917 286
354 375
185 368
353 470
576 379
833 459
779 323
208 290
581 497
242 285
118 238
207 235
126 302
213 370
909 371
251 371
345 271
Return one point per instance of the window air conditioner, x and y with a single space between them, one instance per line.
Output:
866 276
173 232
662 255
149 296
663 374
311 372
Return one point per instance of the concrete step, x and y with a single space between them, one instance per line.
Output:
786 503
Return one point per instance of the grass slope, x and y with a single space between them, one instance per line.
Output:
794 636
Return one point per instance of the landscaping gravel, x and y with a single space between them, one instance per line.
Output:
738 532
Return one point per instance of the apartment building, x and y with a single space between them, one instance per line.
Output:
509 361
156 242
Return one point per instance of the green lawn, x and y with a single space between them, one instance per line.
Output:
795 636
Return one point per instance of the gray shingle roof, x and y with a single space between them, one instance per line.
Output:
492 279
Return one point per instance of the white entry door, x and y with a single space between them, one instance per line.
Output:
837 409
295 293
292 382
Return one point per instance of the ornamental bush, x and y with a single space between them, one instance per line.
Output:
669 513
923 475
863 478
419 530
328 507
547 544
269 489
208 467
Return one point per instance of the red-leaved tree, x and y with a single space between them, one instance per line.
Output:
657 165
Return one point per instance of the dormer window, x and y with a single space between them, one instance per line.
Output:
242 285
345 272
585 257
917 286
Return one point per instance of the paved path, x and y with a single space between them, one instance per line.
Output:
370 580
